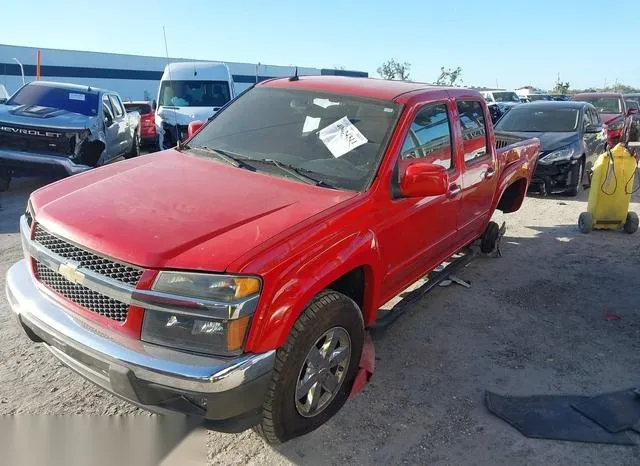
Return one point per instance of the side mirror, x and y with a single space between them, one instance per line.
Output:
108 119
193 127
422 179
593 128
154 105
2 100
632 111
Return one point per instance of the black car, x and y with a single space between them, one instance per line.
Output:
571 137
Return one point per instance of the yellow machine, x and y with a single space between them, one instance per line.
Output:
612 183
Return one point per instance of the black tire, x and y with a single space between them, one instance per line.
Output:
135 146
631 224
490 238
585 222
577 175
5 179
281 419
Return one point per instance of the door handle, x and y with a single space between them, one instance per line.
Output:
489 173
454 190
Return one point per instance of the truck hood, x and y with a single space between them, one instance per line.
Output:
47 117
175 210
607 117
185 115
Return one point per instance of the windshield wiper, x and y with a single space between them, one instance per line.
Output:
223 155
296 172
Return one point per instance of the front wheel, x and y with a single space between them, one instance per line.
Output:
585 222
315 369
577 174
631 224
135 146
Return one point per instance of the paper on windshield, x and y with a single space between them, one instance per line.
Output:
76 96
341 137
310 124
324 103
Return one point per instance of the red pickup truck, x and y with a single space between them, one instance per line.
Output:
612 110
234 276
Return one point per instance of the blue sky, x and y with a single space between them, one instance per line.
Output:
509 43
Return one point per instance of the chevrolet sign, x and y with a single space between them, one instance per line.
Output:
30 132
71 273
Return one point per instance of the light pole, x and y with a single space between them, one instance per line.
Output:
21 69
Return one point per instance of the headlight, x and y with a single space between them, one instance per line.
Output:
210 314
29 214
558 155
206 286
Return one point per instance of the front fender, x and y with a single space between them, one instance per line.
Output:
303 277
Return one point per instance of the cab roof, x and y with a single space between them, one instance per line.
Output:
382 89
69 86
582 95
551 104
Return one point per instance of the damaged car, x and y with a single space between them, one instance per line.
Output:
571 137
59 129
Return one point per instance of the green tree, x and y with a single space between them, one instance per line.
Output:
449 76
561 88
393 69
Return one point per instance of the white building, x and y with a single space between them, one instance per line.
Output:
134 77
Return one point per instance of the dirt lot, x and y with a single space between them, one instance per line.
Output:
532 323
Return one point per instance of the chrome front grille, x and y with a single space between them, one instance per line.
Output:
94 301
121 272
81 295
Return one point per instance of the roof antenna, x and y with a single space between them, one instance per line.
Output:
295 77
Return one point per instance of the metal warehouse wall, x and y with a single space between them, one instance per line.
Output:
130 75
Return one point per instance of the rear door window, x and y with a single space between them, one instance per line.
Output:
107 104
116 105
474 130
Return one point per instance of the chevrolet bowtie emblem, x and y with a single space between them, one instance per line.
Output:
71 273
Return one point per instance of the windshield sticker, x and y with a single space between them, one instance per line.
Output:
310 124
341 137
324 103
75 96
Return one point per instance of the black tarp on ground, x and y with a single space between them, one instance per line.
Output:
552 417
615 412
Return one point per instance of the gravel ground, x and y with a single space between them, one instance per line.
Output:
531 323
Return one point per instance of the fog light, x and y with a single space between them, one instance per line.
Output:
197 334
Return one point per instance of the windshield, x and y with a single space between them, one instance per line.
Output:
194 93
604 104
84 103
529 119
333 138
632 103
142 109
506 97
533 97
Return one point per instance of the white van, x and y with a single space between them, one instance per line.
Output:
190 91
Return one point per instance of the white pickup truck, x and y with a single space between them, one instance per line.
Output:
62 129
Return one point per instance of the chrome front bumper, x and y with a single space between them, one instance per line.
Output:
17 159
153 377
